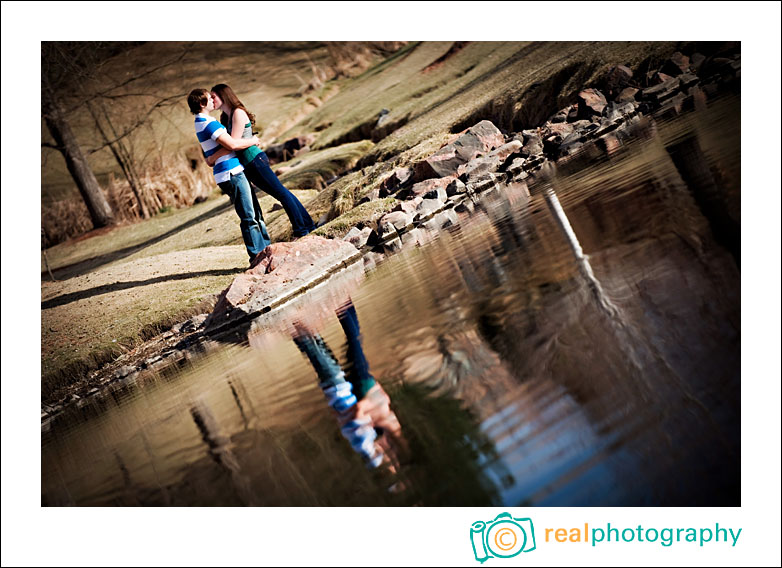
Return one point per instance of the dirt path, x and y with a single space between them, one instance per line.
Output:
89 318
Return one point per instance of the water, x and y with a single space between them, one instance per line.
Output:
519 371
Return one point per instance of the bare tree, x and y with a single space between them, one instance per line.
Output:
109 101
54 70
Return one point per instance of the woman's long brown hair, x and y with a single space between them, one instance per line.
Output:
227 95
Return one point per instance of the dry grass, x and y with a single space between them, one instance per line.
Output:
169 182
514 84
88 320
211 223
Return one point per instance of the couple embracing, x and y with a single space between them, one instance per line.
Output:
233 152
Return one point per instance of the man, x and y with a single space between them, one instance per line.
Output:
228 172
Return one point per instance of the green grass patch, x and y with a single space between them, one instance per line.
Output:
365 213
312 170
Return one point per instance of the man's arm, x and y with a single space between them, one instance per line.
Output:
226 141
212 160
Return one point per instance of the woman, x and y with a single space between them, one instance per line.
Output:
239 122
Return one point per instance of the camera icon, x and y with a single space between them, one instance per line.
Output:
504 537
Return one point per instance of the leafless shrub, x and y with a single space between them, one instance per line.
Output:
168 181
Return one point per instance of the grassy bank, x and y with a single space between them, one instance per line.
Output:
117 289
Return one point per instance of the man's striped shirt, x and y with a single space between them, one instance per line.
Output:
208 131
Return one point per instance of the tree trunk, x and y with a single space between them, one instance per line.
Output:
100 210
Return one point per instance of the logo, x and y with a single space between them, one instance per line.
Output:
504 537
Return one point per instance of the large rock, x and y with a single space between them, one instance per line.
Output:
312 311
676 65
626 95
445 161
619 111
409 206
506 150
281 271
661 92
488 135
476 140
687 80
659 77
395 181
478 167
456 187
358 237
491 162
425 187
484 181
554 135
516 166
533 143
590 102
426 209
696 61
560 129
560 116
618 78
399 219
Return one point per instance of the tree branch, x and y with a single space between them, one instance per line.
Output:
139 122
107 93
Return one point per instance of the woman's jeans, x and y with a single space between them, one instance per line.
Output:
331 374
256 238
261 176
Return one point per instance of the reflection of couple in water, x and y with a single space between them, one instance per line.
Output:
360 403
233 152
230 148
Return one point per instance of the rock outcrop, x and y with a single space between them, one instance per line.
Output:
279 273
477 140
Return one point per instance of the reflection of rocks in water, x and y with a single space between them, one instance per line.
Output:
455 363
659 379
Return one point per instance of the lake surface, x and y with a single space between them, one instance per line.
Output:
518 372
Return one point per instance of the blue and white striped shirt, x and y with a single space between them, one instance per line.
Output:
208 131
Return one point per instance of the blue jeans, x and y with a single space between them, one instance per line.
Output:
357 367
261 176
329 371
256 237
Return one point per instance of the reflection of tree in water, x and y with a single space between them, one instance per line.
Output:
313 466
655 377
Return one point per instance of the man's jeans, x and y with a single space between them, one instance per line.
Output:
256 238
261 176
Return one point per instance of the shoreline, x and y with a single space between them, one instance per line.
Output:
426 204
